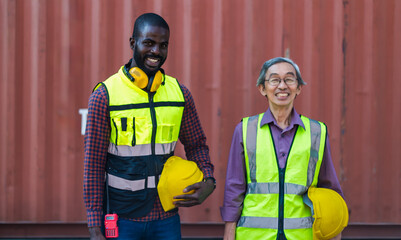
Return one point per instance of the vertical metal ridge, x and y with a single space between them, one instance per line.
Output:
343 84
187 40
247 58
396 116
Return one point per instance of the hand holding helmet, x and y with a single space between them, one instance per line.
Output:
181 184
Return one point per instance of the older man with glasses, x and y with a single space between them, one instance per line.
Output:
275 157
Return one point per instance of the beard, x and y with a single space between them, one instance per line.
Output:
139 60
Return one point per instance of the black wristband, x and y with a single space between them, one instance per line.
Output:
213 179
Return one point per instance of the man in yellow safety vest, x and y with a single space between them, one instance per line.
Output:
275 157
135 119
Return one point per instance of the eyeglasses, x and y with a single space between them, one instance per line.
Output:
276 81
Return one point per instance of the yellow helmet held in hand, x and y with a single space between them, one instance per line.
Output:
329 211
177 174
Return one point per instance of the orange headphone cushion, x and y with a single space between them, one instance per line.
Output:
140 77
157 81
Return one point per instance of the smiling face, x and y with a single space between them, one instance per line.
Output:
150 48
283 95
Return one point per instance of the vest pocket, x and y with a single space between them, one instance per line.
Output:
124 129
166 132
132 204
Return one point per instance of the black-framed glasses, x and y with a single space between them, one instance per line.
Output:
276 81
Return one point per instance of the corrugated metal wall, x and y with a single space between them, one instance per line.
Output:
371 111
54 52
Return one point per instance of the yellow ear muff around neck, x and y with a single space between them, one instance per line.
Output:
141 80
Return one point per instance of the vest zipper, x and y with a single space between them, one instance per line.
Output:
280 234
154 123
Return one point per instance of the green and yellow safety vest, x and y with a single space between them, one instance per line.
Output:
273 206
144 132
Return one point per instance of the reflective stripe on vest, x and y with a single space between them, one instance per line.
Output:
269 222
141 150
266 188
261 204
132 185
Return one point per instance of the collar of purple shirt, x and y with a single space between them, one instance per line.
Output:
269 118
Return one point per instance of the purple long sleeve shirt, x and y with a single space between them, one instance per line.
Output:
235 186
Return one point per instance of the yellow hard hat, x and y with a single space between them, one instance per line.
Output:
329 211
177 174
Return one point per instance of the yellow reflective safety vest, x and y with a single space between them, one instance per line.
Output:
273 206
144 132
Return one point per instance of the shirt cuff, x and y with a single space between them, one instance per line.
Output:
207 172
230 214
94 219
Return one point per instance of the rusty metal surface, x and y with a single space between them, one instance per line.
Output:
52 53
371 141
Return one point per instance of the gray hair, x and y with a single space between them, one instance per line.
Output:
271 62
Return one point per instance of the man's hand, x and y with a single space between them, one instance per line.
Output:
202 191
229 230
95 233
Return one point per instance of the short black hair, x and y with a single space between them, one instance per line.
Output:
148 19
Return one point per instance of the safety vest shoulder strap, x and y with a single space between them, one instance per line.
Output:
318 132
